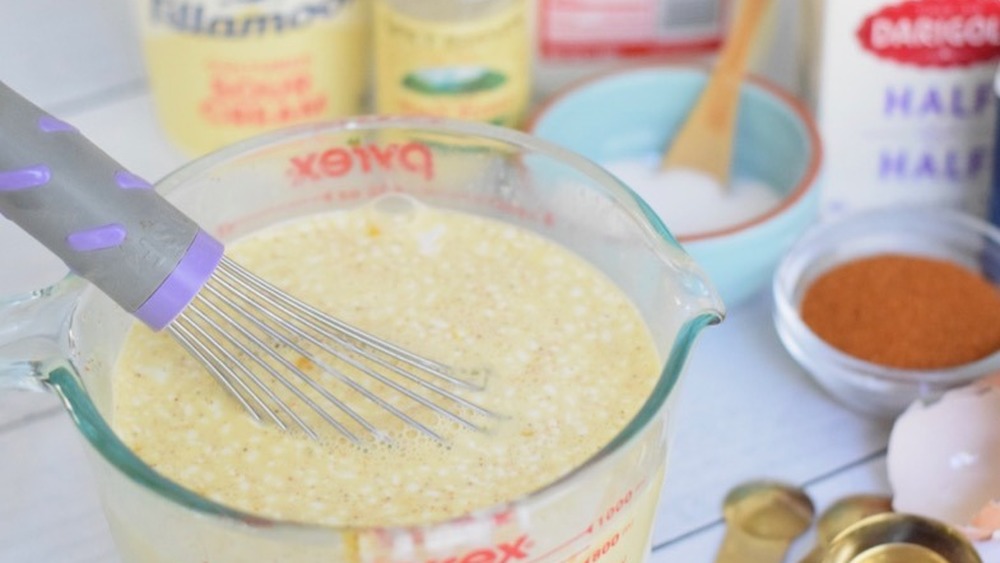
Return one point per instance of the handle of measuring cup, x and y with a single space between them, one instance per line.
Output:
106 223
33 329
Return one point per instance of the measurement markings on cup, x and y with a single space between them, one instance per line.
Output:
598 553
615 509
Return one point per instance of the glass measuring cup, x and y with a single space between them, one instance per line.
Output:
66 339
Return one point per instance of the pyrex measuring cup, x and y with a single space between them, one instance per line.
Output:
66 338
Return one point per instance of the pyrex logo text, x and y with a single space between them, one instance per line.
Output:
339 161
516 550
195 18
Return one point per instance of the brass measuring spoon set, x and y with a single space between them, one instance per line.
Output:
763 518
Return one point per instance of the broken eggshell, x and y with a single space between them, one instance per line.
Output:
944 459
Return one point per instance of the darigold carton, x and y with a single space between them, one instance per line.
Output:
903 92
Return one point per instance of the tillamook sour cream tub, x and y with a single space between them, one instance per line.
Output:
903 92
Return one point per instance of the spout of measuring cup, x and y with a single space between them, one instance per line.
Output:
701 299
687 285
686 292
33 333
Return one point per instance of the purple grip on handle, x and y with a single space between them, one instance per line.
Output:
49 124
129 181
194 269
24 178
98 238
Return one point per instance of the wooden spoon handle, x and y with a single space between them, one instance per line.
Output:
705 140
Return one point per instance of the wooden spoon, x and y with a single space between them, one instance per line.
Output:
705 141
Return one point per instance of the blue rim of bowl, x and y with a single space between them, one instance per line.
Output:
794 104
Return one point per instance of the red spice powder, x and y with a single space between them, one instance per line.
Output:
905 311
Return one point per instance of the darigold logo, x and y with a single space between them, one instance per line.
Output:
934 33
240 18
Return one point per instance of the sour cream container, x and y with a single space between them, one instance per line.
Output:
221 71
903 94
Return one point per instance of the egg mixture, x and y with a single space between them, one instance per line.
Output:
568 358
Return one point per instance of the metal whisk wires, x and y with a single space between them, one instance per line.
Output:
273 353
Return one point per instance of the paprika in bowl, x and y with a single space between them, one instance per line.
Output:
886 307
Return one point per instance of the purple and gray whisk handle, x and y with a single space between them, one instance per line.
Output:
108 225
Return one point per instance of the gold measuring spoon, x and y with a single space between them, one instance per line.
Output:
840 516
762 520
900 538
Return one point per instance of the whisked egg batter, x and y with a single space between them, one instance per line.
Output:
569 363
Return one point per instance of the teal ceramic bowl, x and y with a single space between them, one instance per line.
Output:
635 112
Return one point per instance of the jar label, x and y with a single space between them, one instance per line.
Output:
477 70
934 33
235 20
219 74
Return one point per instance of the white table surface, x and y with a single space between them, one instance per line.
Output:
746 411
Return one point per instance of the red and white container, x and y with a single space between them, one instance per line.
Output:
579 37
903 92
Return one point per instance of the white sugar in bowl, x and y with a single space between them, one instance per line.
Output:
625 119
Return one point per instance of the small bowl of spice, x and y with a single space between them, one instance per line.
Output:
889 306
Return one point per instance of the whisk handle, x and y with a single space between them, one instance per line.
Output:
106 223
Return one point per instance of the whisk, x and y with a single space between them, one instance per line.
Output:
261 344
